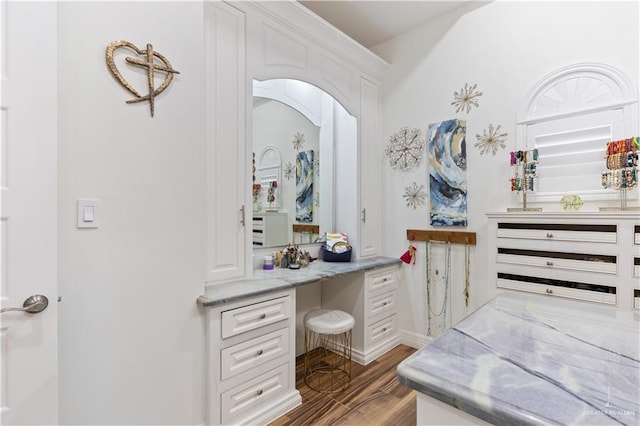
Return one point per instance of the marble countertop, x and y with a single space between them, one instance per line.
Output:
282 279
532 359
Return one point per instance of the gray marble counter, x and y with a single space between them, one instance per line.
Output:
531 359
282 279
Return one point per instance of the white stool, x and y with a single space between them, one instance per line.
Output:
327 345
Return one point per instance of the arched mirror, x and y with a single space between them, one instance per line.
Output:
302 124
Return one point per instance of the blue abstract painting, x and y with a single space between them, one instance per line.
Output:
448 173
304 186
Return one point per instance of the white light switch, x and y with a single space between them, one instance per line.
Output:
88 213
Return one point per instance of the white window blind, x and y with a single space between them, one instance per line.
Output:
572 154
569 116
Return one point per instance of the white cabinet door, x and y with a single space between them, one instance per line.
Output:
227 168
370 176
28 200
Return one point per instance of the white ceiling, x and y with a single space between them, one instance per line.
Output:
373 22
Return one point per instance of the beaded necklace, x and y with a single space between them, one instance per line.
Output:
443 309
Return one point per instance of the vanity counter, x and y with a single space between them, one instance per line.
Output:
532 359
264 282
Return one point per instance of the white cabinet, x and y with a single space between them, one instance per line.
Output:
370 170
227 170
583 256
251 367
267 40
371 297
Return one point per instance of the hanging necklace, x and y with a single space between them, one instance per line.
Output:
443 308
466 274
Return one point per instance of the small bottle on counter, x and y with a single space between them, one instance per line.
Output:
267 264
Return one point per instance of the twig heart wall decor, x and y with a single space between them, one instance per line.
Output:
147 58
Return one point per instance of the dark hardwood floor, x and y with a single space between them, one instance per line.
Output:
374 397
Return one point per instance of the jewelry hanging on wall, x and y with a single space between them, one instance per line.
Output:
431 314
467 257
256 186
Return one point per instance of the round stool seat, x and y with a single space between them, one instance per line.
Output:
328 321
327 350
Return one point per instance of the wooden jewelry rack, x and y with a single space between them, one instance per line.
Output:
453 237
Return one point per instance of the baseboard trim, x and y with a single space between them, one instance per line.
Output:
414 340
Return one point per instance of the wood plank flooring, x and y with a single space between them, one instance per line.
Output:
374 397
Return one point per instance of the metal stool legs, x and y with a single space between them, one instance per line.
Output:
327 361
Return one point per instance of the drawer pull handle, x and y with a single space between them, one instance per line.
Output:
549 235
259 392
384 303
263 316
384 329
549 291
384 280
260 352
549 263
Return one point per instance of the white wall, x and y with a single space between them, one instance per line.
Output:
131 337
506 48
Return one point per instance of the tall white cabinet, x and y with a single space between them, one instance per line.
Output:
228 213
266 40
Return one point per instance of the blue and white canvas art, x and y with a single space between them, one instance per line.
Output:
304 186
448 173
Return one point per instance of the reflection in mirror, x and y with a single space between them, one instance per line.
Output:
295 120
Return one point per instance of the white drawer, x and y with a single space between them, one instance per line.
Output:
636 299
636 267
381 330
604 264
244 356
254 392
570 293
246 318
382 304
559 232
381 280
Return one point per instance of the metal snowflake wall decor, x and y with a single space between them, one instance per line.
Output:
298 141
490 140
405 148
414 195
467 97
289 170
316 199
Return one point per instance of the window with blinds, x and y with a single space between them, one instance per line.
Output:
569 116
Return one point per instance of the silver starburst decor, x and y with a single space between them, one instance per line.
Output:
405 148
467 97
316 199
298 141
490 140
414 195
289 170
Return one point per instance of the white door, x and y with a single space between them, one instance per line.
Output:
28 211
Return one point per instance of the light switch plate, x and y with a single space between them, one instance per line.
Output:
88 213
